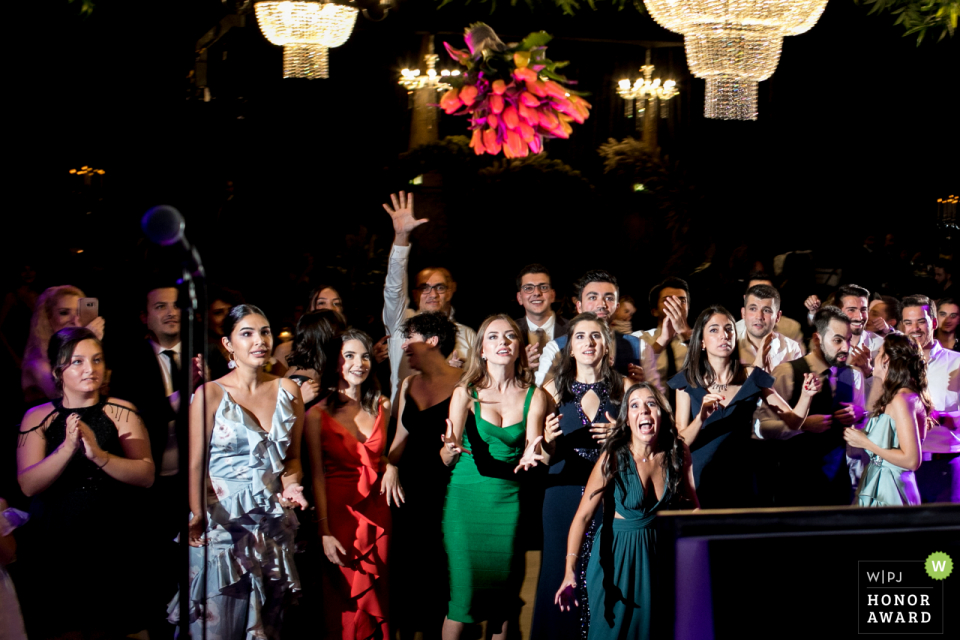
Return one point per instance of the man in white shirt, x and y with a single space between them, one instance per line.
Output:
433 292
598 292
938 477
540 324
784 326
854 301
669 299
814 466
755 332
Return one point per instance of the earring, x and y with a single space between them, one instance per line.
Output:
233 361
484 358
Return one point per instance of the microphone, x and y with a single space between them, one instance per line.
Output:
165 226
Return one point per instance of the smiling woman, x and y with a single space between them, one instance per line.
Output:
81 459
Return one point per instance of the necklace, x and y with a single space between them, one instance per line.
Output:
717 386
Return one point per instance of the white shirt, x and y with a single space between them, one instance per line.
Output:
782 348
547 328
943 384
872 342
552 355
396 312
170 461
679 352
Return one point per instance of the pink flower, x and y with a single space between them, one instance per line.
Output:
526 132
554 89
510 117
535 145
529 114
548 120
529 100
525 74
468 93
496 103
450 102
536 87
493 121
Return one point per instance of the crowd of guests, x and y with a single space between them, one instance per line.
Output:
321 499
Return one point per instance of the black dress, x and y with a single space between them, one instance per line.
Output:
417 563
723 471
83 565
570 467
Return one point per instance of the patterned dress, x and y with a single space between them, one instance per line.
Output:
248 572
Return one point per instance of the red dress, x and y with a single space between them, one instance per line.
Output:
355 595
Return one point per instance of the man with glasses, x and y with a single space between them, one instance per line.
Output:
433 292
540 324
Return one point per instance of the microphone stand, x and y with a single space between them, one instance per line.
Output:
193 293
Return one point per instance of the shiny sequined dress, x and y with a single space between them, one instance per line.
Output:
884 484
84 509
480 521
355 595
622 573
249 571
570 466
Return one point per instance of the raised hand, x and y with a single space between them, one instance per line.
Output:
402 215
601 430
566 596
390 486
812 303
292 497
860 358
551 429
812 383
97 325
676 310
762 361
333 550
530 456
711 402
635 372
381 350
879 326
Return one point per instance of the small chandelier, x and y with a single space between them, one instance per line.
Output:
411 79
734 45
645 89
306 30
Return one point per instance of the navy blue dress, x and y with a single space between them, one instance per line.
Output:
570 467
722 467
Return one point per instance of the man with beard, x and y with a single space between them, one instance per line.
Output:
810 466
759 344
854 301
597 291
938 477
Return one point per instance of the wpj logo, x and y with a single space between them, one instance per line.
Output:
901 596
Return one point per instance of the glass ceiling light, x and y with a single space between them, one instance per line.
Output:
734 44
306 30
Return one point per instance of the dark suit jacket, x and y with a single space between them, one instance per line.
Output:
136 377
559 328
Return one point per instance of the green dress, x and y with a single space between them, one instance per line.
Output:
480 517
621 574
884 484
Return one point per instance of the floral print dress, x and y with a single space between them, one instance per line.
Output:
249 569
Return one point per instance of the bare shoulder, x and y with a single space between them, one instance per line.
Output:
121 411
35 415
289 385
212 391
551 387
384 402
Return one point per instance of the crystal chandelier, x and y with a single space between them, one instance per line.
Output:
733 45
306 30
645 89
411 79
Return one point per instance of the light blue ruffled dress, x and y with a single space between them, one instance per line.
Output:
884 484
250 569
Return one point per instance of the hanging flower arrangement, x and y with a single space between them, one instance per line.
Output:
513 95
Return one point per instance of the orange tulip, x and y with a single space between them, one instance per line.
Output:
510 117
468 94
564 106
536 87
515 143
548 120
526 131
498 87
476 141
525 74
490 141
529 114
450 102
554 89
496 103
529 99
493 121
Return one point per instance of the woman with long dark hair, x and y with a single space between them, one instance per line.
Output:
252 423
716 399
80 458
586 391
347 436
644 467
316 332
494 430
897 424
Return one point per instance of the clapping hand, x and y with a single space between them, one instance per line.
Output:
88 441
72 440
530 456
812 303
292 497
860 358
551 429
762 361
533 356
601 430
711 402
635 372
676 311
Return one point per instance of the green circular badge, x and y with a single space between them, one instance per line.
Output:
938 565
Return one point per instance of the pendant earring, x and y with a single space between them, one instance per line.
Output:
233 361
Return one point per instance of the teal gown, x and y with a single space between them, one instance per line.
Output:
480 521
621 574
884 484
